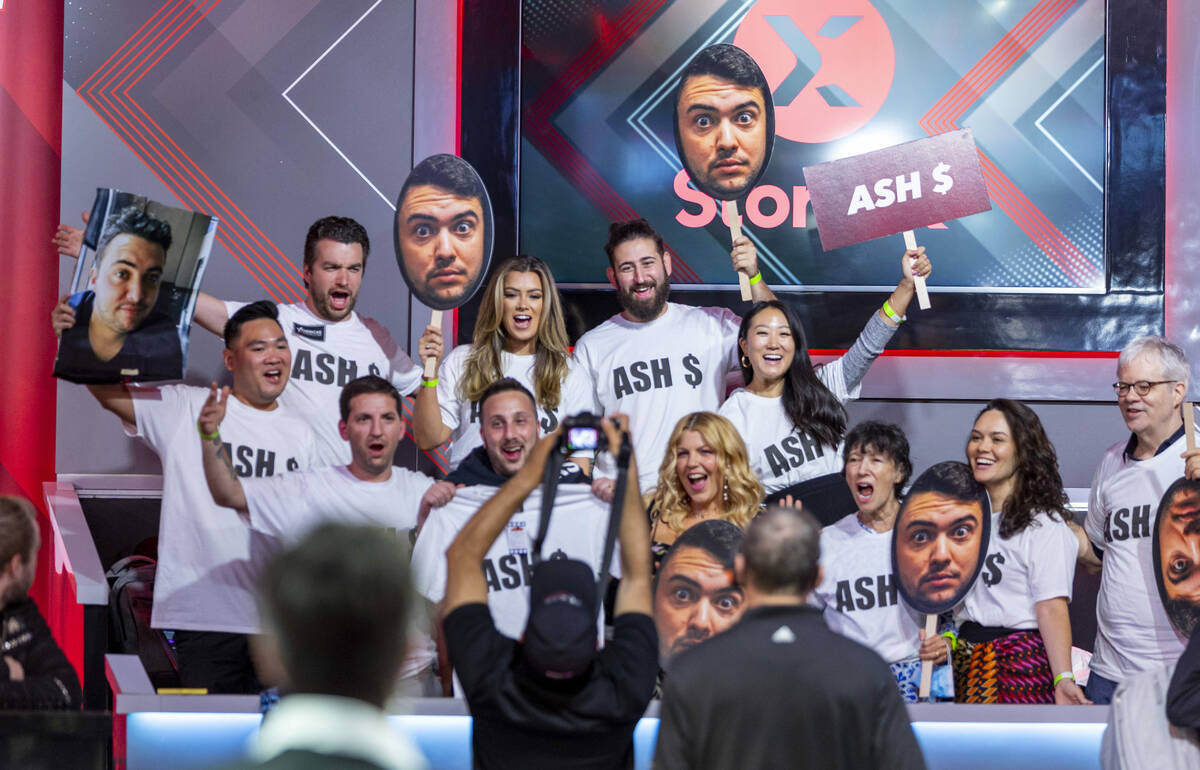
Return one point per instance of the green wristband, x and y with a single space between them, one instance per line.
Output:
1062 676
207 436
953 639
756 278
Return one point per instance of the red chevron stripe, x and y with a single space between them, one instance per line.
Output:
158 36
942 116
561 153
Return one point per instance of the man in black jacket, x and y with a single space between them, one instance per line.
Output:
806 697
508 423
551 699
36 674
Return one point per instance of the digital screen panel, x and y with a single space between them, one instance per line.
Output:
847 76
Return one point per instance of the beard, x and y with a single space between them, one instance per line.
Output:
645 309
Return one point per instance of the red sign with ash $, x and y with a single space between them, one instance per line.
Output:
898 188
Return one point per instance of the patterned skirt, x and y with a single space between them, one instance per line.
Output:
1010 669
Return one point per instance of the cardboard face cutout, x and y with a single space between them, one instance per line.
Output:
135 291
443 231
1177 554
724 121
695 596
940 537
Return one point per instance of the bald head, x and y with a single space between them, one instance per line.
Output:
781 552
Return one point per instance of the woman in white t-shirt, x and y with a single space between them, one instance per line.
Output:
704 474
790 414
520 334
857 593
1014 631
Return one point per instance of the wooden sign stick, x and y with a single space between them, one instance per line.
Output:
1189 424
910 243
730 212
927 665
435 319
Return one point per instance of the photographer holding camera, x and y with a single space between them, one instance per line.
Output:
553 696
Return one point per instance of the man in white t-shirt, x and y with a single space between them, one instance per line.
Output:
331 344
368 490
1133 633
657 360
208 559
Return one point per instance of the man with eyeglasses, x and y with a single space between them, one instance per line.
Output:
1133 632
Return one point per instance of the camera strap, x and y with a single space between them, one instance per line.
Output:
616 511
549 489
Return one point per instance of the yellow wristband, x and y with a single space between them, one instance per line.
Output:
756 278
887 311
207 436
953 639
1062 676
429 383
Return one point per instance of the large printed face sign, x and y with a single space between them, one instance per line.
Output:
133 308
1177 554
724 121
940 537
443 231
695 596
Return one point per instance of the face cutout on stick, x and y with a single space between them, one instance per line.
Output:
443 231
1177 554
940 537
724 121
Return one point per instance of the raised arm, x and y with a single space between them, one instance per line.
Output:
465 583
880 328
223 481
210 313
116 399
745 260
428 429
633 592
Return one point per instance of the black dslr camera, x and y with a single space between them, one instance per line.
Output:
582 432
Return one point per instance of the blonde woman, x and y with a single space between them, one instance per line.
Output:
705 474
520 334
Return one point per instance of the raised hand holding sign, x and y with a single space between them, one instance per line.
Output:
724 129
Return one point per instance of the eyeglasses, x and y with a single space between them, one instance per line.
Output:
1141 386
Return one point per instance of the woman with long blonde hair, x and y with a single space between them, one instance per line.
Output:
519 333
705 474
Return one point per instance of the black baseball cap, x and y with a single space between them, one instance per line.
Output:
560 636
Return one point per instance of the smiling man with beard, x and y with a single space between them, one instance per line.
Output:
208 559
657 360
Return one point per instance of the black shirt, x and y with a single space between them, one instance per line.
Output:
150 352
50 681
523 722
779 689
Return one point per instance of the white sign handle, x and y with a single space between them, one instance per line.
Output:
435 319
927 665
730 212
910 243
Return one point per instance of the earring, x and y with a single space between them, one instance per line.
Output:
744 361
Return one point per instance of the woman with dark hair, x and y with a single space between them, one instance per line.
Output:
857 592
520 333
1014 632
790 414
704 474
